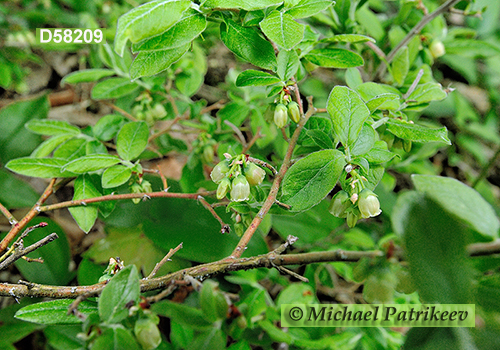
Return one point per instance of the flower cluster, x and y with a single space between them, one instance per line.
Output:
361 203
235 175
286 108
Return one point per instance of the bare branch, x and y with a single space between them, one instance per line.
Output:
164 260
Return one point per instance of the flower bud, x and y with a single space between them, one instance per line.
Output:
147 333
339 204
293 111
223 188
368 204
280 116
159 111
219 171
437 48
254 174
351 219
208 154
136 188
240 190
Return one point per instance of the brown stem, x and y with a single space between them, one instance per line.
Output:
20 252
271 198
264 164
164 260
28 217
414 31
114 197
8 215
224 227
121 111
252 141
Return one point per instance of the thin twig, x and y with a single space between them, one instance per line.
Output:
165 130
252 141
377 50
8 215
167 257
237 132
121 111
285 271
286 206
34 211
163 179
225 228
264 164
18 253
486 169
216 105
414 31
414 84
114 197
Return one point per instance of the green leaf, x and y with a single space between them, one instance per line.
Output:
434 338
122 289
365 141
383 101
417 133
248 44
248 5
308 8
71 149
132 140
85 216
334 58
183 32
15 140
87 75
56 256
212 338
348 38
113 88
64 337
471 48
14 332
54 312
115 176
348 113
51 127
425 93
288 63
39 167
49 145
282 29
183 314
148 20
400 66
108 126
213 303
91 163
320 138
115 338
252 77
460 200
435 248
311 178
23 196
379 153
149 63
132 246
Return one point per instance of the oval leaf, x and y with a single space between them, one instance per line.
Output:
348 113
54 312
87 75
181 33
348 38
113 88
149 63
148 20
307 8
248 44
311 178
282 29
252 77
122 289
39 167
365 141
132 140
90 163
85 216
47 146
461 201
288 64
248 5
334 58
115 176
51 127
417 133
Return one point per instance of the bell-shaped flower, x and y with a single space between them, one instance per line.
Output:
223 188
293 111
219 171
339 204
254 174
280 116
368 204
240 190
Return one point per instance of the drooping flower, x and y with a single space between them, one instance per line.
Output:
254 174
368 204
240 190
280 116
339 204
219 171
